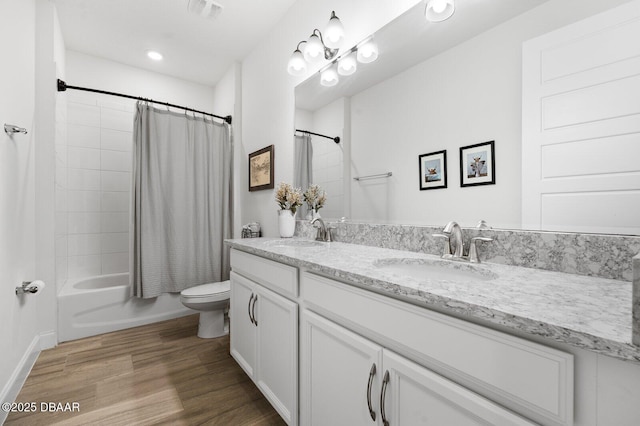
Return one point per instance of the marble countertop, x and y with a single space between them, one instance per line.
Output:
586 312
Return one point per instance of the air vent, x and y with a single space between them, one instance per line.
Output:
205 8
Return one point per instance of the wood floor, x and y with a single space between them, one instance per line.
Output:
151 375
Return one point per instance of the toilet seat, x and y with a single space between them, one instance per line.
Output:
211 292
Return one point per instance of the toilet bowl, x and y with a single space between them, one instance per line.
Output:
211 300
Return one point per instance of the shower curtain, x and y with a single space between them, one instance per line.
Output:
181 201
303 168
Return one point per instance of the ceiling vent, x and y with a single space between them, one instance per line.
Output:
205 8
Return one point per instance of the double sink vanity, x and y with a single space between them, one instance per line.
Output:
342 333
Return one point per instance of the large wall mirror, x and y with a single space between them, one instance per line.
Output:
435 87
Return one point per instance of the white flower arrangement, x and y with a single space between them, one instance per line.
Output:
288 197
315 197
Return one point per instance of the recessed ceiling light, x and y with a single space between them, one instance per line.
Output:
154 55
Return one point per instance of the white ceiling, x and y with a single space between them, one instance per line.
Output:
194 48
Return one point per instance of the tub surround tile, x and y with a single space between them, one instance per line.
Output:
586 312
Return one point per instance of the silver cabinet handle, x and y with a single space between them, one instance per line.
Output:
371 374
249 309
253 310
383 394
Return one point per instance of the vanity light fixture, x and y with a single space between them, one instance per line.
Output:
156 56
439 10
317 46
367 51
329 75
348 64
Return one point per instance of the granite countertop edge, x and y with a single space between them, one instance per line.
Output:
555 330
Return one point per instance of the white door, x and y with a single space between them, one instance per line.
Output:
412 395
277 349
581 125
339 375
242 327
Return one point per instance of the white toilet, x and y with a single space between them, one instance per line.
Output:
211 300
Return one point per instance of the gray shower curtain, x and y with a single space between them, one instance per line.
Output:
303 167
181 201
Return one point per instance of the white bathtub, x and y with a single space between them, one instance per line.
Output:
96 305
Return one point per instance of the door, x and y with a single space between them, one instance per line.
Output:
340 373
277 351
581 125
242 327
413 395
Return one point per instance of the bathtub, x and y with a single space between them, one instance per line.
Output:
100 304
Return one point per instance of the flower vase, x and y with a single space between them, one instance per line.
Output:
309 215
286 223
315 214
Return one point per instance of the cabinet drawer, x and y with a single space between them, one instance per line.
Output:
530 378
275 276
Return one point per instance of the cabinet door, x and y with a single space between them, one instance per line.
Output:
337 375
413 395
243 329
277 349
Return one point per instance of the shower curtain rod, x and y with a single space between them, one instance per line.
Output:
336 139
62 86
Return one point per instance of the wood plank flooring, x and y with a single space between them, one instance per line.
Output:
151 375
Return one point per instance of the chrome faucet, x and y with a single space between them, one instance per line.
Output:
324 231
454 244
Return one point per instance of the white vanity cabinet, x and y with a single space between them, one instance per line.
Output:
264 328
441 370
348 379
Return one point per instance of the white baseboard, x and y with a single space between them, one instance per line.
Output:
16 381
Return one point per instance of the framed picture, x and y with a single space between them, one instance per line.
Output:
433 170
478 164
261 169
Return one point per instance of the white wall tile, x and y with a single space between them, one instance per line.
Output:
83 201
115 242
115 201
115 181
118 104
83 222
113 263
87 115
61 245
116 120
118 161
61 270
83 136
61 199
61 177
84 266
61 223
116 140
114 222
83 158
61 155
81 179
84 244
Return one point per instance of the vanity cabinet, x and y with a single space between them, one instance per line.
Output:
441 370
264 329
348 379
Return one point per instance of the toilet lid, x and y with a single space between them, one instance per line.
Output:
209 289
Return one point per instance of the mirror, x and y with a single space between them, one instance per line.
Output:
435 87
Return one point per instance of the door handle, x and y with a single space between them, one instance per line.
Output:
383 394
371 374
249 309
253 310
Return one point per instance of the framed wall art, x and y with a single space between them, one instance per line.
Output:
478 164
261 169
433 170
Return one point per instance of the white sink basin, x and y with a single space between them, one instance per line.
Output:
439 270
295 243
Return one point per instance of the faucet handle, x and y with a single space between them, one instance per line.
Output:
473 248
447 245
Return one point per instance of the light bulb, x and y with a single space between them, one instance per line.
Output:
439 10
348 64
329 77
156 56
313 49
368 52
297 65
334 32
